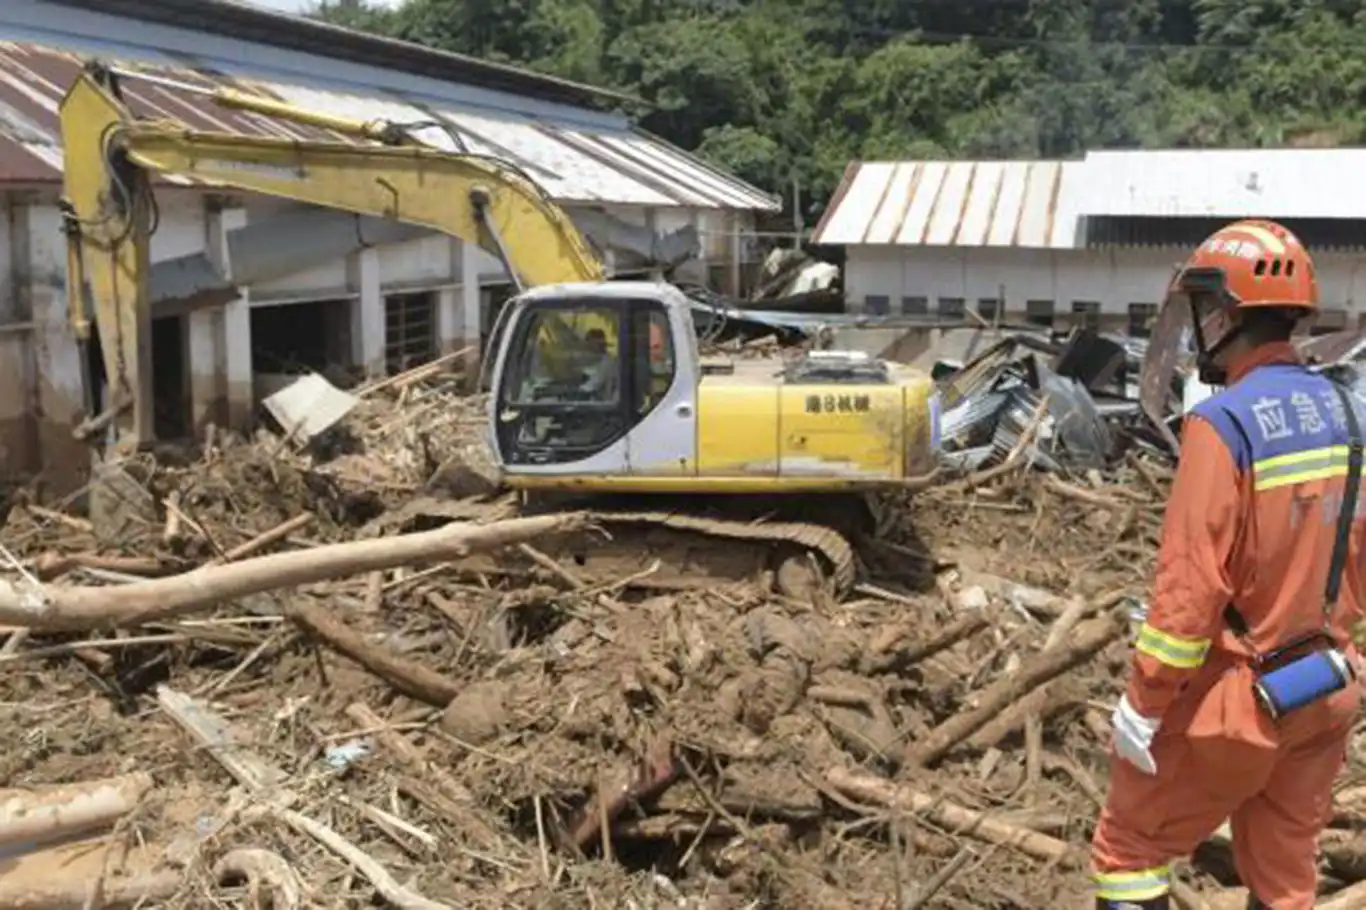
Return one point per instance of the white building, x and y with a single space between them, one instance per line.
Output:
1094 240
378 295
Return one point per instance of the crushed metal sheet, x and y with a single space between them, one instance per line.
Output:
309 406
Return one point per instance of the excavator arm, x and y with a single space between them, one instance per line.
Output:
110 155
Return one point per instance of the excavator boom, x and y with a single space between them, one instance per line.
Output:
110 153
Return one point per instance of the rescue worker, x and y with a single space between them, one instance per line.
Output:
1247 541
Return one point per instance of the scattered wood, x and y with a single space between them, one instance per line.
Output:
258 776
970 822
404 675
887 652
266 538
383 881
270 880
658 770
1090 639
455 801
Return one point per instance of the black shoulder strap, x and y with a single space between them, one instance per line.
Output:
1346 515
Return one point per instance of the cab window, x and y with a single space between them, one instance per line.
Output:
654 371
569 357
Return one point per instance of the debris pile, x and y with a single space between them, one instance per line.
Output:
1075 400
327 712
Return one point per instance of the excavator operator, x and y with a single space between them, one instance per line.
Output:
600 370
1243 685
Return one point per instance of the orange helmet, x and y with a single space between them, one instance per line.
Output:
1254 264
1247 264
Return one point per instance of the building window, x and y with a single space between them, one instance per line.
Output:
409 330
952 307
877 304
1086 313
1141 319
1039 312
915 306
988 308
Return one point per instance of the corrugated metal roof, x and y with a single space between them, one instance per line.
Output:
953 203
258 25
1226 183
33 79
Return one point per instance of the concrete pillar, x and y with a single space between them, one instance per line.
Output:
732 223
205 349
19 455
58 399
218 342
449 327
450 322
367 312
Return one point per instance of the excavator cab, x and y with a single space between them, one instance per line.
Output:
595 379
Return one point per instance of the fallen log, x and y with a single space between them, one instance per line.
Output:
56 813
411 679
1091 637
64 892
868 789
83 608
52 565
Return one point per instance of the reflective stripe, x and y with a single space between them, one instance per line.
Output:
1299 467
1181 653
1143 885
1273 244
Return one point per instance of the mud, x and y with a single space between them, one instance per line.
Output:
613 741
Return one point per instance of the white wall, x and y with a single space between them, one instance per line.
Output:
40 388
1114 278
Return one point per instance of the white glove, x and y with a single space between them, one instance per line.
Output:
1134 736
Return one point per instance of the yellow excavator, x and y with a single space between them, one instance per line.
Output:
597 387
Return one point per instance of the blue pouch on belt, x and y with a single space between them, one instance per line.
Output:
1303 681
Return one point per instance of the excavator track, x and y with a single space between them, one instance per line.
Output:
835 551
665 549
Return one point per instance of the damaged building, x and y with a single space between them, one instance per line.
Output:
1089 243
294 288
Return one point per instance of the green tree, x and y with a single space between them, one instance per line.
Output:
784 90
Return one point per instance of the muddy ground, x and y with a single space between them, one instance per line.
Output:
520 732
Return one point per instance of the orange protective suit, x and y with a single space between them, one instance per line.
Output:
1251 522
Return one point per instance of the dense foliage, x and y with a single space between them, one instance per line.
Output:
785 91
